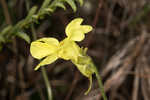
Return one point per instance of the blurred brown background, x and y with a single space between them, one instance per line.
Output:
119 46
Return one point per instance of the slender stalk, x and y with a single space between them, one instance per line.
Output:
101 86
44 74
100 83
33 32
47 83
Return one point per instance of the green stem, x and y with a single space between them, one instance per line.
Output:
49 91
44 74
33 32
100 83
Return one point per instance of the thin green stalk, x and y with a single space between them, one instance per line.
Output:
47 83
44 74
33 32
100 83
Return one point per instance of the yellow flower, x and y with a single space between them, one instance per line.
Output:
50 49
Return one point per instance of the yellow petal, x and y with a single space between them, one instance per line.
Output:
43 47
48 60
77 35
51 41
74 24
86 28
75 31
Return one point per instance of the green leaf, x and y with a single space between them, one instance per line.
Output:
43 7
23 36
31 12
60 4
45 4
72 4
19 25
25 21
48 10
29 17
6 30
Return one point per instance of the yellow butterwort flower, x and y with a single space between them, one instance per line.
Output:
50 49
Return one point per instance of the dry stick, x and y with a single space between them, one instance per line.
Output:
109 18
96 18
109 83
39 89
21 76
144 70
138 74
9 22
136 85
73 85
6 12
145 82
